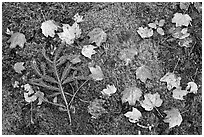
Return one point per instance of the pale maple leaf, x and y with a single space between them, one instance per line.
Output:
70 33
98 36
178 93
161 23
127 55
185 42
133 115
179 33
181 19
96 109
17 39
172 80
77 18
96 73
143 73
110 89
88 50
48 28
131 95
192 87
151 101
18 67
145 32
160 31
152 25
173 117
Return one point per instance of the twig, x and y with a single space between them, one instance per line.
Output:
76 92
195 74
176 64
31 113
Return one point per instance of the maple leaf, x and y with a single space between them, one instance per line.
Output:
173 117
110 89
161 23
172 80
185 42
143 73
192 87
181 19
88 50
178 93
17 39
18 67
77 18
96 109
98 36
133 115
131 95
75 59
48 28
127 55
151 101
184 5
145 32
179 33
160 31
70 33
96 73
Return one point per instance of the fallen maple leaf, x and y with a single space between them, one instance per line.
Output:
98 36
131 95
96 109
192 87
17 39
181 19
18 67
160 31
127 55
88 50
179 33
173 117
70 33
172 80
145 32
96 73
185 42
151 101
77 18
178 93
48 28
143 73
110 89
133 115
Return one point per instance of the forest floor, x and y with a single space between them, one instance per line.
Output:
120 21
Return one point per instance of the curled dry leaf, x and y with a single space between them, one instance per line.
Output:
172 80
110 89
192 87
145 32
133 115
127 55
96 109
185 42
151 101
173 117
70 33
178 93
179 33
96 73
48 28
88 50
181 19
131 95
143 73
18 67
17 39
98 36
77 18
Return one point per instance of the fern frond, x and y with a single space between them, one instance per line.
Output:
66 71
44 85
35 67
58 51
61 60
45 56
49 79
43 68
70 79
